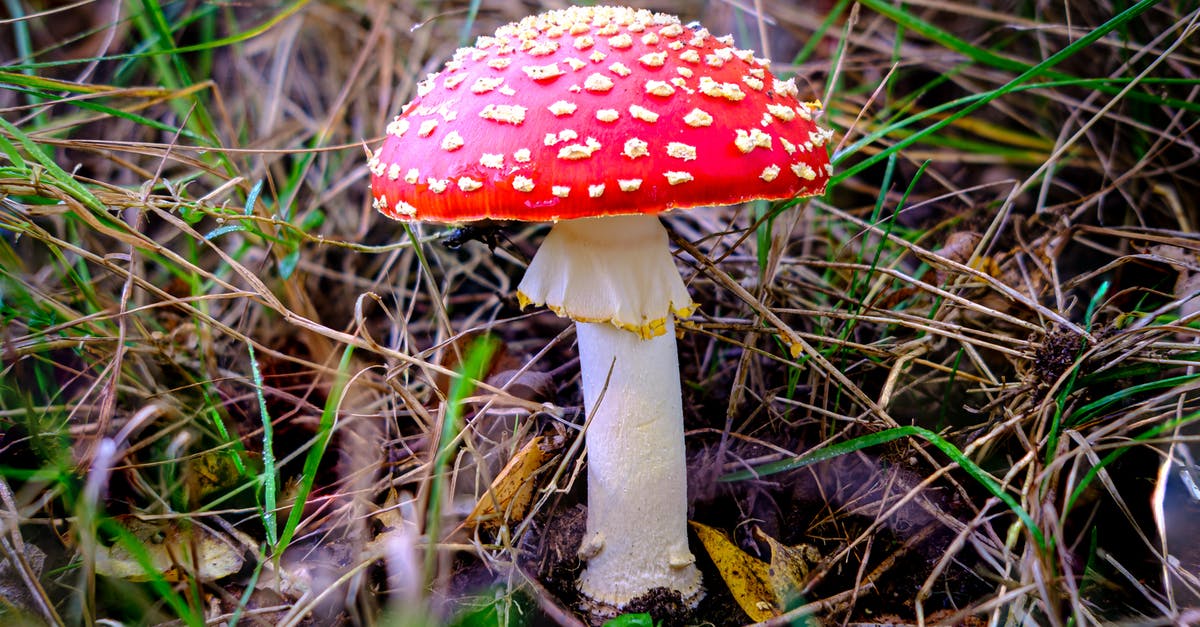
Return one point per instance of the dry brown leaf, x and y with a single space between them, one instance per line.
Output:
510 494
747 577
173 552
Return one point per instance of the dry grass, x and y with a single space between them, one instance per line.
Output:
204 324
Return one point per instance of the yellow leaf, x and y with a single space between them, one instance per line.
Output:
510 494
788 571
747 577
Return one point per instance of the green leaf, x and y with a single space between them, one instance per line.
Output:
631 620
287 265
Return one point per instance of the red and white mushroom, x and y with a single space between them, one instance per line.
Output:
598 119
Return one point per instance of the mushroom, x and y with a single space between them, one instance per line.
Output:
598 119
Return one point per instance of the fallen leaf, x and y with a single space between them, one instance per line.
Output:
510 494
170 549
214 472
747 577
788 571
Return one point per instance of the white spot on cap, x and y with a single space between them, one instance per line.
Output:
398 127
499 63
659 88
427 128
452 141
713 89
788 146
653 59
425 86
748 141
539 72
583 43
505 114
783 112
620 42
825 134
675 45
562 107
635 148
484 84
522 184
676 177
522 155
607 115
542 48
671 30
753 83
492 160
576 64
685 72
629 185
680 150
579 151
393 172
804 171
769 173
468 184
597 56
405 209
562 191
411 176
452 81
785 88
690 55
438 186
598 83
620 69
595 191
697 118
650 39
642 113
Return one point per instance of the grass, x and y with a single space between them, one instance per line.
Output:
206 332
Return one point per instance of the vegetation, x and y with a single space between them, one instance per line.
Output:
230 392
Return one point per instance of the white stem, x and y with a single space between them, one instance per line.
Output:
616 279
637 473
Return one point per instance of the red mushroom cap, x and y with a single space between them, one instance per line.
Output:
592 111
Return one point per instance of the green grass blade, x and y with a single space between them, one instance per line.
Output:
889 435
270 473
1037 71
476 360
312 461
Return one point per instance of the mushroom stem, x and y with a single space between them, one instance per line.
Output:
616 278
636 536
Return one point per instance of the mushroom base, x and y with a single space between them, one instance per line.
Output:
636 538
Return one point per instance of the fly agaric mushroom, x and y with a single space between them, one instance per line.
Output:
598 119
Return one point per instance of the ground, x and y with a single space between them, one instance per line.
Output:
231 391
